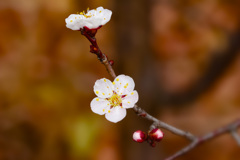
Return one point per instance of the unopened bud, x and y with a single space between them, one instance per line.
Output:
111 62
156 134
139 136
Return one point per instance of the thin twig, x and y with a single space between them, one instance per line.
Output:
226 129
90 35
195 141
157 123
236 136
108 67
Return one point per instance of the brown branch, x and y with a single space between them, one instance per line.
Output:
199 140
108 67
195 141
236 136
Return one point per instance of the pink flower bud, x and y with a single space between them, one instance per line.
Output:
156 134
139 136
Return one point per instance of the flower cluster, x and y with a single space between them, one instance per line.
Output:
113 98
92 19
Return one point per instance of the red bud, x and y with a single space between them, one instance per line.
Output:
111 62
156 134
139 136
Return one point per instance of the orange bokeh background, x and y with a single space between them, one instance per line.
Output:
170 48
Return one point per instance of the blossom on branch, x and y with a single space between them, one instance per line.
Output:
92 19
114 97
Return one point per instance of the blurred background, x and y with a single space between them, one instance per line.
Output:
183 55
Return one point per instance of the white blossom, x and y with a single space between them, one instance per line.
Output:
113 98
92 19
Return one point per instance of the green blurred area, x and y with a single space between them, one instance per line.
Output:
47 75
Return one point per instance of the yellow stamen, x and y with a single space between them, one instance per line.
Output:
87 16
115 100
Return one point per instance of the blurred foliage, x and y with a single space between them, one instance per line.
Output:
47 76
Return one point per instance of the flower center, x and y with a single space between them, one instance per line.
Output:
115 100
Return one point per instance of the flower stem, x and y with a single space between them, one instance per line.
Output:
90 35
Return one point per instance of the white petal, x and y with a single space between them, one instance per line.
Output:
116 114
103 88
100 8
72 22
91 12
99 105
92 22
123 84
130 100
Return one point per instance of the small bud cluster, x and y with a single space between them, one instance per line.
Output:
155 135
